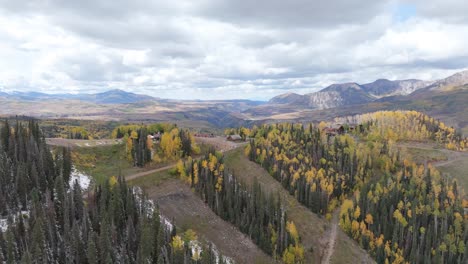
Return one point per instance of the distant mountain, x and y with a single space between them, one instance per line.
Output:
384 87
346 94
32 96
115 96
452 82
286 98
335 95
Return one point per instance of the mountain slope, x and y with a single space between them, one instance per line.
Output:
346 94
454 81
286 98
384 87
332 96
343 94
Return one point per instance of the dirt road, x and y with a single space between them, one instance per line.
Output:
329 250
220 144
179 203
451 155
63 142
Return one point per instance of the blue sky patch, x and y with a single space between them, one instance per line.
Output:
404 12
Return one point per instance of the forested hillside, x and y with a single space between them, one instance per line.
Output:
257 214
44 220
396 209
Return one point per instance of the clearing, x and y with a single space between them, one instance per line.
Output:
219 143
452 163
180 204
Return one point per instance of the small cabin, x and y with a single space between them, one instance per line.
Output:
235 138
334 130
156 137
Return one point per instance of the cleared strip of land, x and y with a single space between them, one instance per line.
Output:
179 203
315 231
63 142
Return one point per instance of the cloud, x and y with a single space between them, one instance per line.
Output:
450 11
296 14
211 49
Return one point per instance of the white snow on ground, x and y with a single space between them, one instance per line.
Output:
3 225
4 221
166 222
83 179
227 260
194 245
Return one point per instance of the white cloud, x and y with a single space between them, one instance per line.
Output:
224 49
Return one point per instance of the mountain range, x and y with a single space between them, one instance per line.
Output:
115 96
352 93
446 99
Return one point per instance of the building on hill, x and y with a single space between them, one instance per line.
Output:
235 138
334 130
156 137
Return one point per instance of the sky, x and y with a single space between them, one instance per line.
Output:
219 49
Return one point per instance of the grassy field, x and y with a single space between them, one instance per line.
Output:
420 155
103 162
152 180
459 170
313 229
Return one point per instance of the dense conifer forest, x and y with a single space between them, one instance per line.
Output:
49 220
396 209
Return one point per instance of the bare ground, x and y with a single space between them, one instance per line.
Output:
176 201
219 143
63 142
329 250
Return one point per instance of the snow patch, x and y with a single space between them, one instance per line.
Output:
83 180
194 245
4 221
3 225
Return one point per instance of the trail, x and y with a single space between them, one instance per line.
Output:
332 240
64 142
451 155
220 143
145 173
